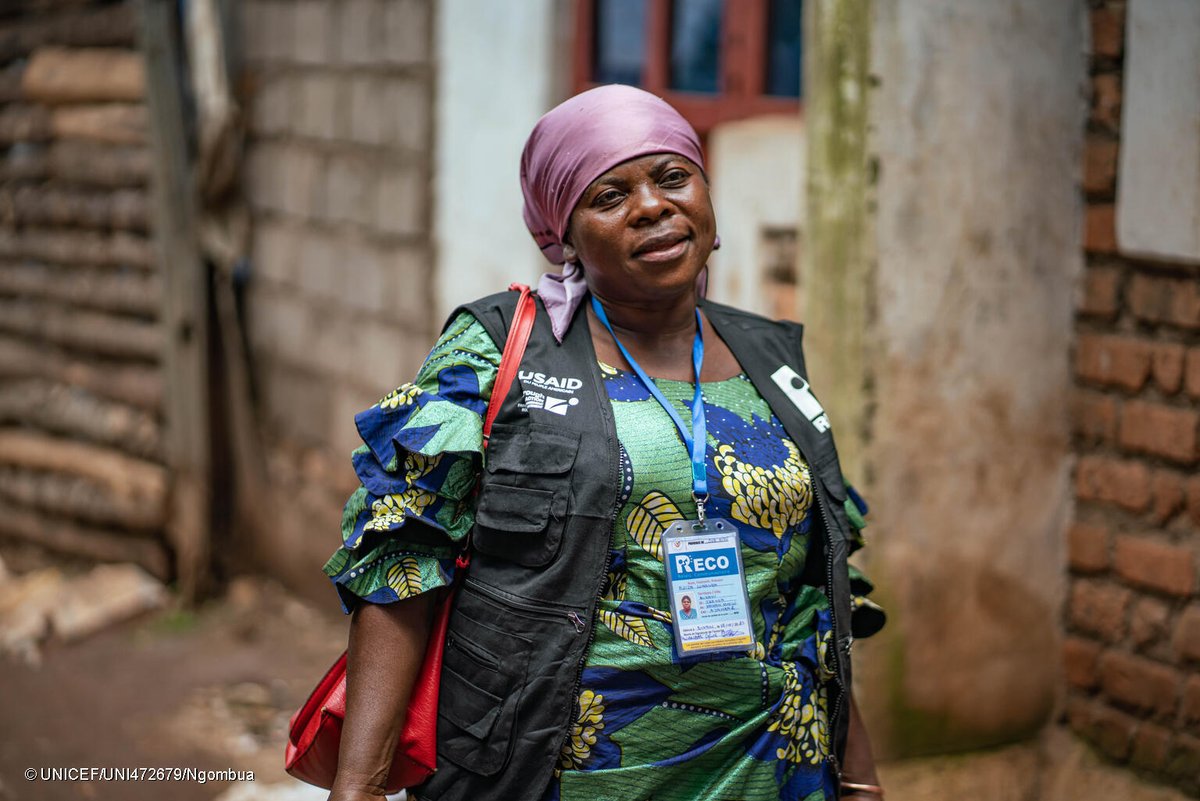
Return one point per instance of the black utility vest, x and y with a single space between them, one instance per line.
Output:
522 621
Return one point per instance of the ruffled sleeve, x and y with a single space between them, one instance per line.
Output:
867 617
417 467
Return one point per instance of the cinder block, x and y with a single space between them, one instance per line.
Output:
312 36
360 31
318 96
363 281
409 269
266 30
370 109
262 184
350 189
300 175
273 253
401 200
409 107
407 32
271 107
319 258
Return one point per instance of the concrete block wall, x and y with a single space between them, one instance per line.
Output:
338 176
1132 651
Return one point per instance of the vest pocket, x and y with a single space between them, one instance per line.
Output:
522 506
477 702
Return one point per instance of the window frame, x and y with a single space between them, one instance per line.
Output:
743 68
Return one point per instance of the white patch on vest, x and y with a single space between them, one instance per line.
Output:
549 382
796 388
548 403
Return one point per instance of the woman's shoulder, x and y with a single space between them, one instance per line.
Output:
747 319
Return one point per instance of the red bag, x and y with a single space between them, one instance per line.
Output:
315 733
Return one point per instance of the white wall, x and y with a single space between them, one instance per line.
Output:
498 71
757 172
978 124
1158 200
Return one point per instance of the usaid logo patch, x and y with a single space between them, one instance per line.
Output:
566 386
798 392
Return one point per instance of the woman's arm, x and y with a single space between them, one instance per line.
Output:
859 765
387 646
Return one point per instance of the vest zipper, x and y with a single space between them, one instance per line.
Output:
537 610
837 673
572 699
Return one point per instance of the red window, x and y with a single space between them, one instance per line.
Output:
714 60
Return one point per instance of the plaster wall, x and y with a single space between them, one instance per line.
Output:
497 73
977 121
757 172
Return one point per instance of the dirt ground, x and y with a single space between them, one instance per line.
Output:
211 689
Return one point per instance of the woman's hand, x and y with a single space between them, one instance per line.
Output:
359 793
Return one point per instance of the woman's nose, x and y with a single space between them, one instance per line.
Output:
649 203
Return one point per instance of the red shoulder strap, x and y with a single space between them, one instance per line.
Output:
514 349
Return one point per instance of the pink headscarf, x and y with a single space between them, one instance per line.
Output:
575 143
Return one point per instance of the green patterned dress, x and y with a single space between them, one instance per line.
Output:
649 724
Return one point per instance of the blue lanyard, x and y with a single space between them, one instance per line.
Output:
696 439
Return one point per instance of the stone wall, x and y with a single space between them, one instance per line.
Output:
82 461
337 174
1133 615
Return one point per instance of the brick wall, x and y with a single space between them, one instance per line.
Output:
1132 650
338 178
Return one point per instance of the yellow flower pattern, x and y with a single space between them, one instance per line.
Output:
402 395
389 511
590 720
775 498
802 719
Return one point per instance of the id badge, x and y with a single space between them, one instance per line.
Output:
707 587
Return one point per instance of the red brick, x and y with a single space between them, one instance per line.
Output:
1112 731
1190 708
1191 380
1166 365
1115 361
1160 430
1149 622
1087 547
1193 500
1106 102
1108 31
1155 565
1187 633
1140 683
1093 417
1078 715
1150 747
1079 662
1100 165
1101 292
1167 489
1100 228
1099 608
1184 762
1107 480
1160 299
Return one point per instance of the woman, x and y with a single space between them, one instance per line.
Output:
655 446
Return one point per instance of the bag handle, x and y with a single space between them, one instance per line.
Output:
510 360
514 349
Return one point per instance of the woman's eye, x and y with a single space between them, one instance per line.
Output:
675 176
607 197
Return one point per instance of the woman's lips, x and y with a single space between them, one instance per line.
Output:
663 252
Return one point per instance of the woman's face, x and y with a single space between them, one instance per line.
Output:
644 229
